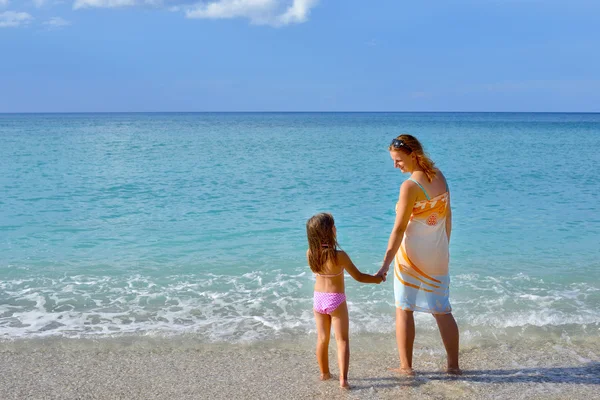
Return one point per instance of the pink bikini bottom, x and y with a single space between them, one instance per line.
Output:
326 303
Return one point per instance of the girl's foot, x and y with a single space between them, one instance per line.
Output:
344 384
403 371
325 376
454 371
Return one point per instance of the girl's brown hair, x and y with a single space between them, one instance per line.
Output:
322 243
412 145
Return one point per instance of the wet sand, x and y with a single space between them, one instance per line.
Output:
183 368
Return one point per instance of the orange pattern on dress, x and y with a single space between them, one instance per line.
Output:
413 266
431 211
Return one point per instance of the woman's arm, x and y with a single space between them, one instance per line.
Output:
449 219
406 202
349 266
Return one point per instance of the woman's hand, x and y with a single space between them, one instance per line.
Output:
383 272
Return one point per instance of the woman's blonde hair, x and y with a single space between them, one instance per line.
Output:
410 145
322 243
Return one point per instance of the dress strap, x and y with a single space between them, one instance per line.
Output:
422 188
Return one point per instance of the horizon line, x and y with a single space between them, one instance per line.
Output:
299 112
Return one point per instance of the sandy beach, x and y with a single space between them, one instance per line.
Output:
183 368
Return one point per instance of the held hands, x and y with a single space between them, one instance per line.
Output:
383 272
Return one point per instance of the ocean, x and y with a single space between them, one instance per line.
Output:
194 223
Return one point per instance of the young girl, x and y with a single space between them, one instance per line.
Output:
328 264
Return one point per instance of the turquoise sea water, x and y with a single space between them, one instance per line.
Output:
194 223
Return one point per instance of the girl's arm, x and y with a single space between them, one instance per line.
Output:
349 266
406 202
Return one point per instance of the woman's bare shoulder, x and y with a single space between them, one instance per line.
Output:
440 175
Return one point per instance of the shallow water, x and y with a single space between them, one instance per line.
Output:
194 223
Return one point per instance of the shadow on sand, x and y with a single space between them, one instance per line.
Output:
588 374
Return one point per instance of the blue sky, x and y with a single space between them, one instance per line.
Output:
299 55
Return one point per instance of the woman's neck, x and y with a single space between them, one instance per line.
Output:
416 169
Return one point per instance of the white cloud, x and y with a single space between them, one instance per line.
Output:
40 3
104 3
262 12
57 22
3 3
124 3
297 12
255 10
12 19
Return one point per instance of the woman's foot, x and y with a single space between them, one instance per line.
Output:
404 371
344 384
326 376
454 371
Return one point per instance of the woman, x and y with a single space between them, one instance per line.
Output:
418 246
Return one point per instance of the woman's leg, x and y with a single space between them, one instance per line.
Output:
341 325
323 334
450 337
405 338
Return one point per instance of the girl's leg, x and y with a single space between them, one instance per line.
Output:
341 325
405 338
450 337
323 334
